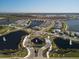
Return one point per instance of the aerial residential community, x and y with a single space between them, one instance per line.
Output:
43 29
38 35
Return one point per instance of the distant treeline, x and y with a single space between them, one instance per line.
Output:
25 14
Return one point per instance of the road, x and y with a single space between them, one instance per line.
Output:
66 37
43 58
48 44
30 50
31 53
62 36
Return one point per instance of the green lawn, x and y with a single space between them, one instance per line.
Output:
4 29
63 52
13 53
70 54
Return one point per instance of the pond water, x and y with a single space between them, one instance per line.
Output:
37 41
61 43
35 23
73 25
11 40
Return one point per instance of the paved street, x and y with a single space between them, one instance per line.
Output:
40 52
31 51
41 58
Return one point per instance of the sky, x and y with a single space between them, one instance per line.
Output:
39 6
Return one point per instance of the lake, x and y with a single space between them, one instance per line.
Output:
73 25
11 40
61 43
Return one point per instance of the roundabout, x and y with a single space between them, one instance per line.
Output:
34 51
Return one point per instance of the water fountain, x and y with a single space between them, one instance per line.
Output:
4 39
